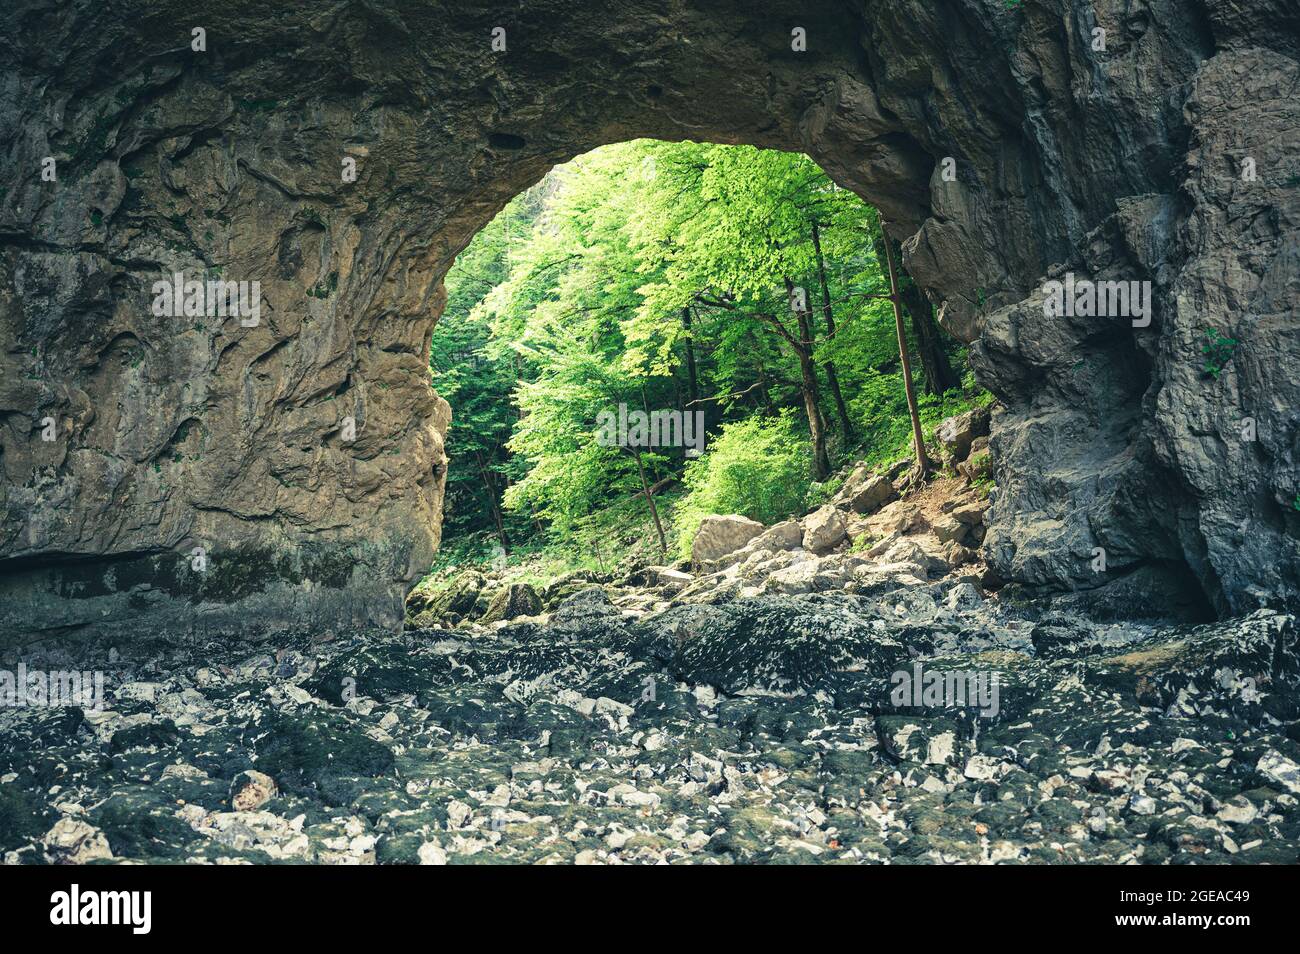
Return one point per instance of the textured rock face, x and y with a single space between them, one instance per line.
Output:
303 457
720 534
1118 438
823 529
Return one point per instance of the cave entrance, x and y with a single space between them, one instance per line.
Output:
648 299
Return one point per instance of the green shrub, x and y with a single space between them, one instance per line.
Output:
1218 352
820 493
758 468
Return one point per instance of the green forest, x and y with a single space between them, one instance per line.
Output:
736 288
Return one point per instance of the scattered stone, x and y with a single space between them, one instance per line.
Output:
73 842
250 790
719 535
761 724
824 529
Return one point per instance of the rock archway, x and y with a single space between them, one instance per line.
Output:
201 476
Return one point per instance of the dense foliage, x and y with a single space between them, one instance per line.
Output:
757 467
737 283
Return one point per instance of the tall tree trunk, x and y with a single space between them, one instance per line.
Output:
918 442
692 379
832 379
803 348
764 395
650 501
490 485
939 374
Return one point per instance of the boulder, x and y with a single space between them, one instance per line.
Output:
73 842
1279 770
779 538
957 555
898 517
786 535
720 534
566 584
718 588
908 551
926 740
970 514
979 464
761 563
511 602
853 483
881 546
964 595
807 576
823 529
873 493
589 608
435 601
250 790
798 578
860 474
672 580
770 643
957 434
950 530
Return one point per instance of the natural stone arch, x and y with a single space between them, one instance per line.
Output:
171 437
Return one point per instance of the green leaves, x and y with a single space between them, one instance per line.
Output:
1218 351
572 302
758 468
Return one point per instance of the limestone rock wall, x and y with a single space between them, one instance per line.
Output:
174 434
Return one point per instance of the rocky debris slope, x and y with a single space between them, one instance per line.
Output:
768 728
1005 145
869 533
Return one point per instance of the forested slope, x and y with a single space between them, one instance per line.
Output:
729 287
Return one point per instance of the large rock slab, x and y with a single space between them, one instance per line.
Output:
511 602
721 534
824 529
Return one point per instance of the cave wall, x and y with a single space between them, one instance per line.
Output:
176 434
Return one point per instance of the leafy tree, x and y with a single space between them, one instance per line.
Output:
731 280
476 379
741 230
757 468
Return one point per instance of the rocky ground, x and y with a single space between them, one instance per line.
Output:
744 710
